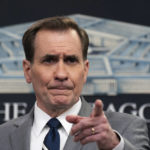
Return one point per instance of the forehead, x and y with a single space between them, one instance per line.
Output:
48 41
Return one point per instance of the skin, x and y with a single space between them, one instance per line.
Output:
104 135
58 73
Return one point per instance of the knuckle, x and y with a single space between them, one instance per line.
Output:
83 124
105 120
84 132
103 135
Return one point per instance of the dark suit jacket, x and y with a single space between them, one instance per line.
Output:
15 134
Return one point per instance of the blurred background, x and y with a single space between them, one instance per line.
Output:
119 52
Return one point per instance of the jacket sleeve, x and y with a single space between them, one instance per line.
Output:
136 135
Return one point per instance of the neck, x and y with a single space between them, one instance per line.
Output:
53 111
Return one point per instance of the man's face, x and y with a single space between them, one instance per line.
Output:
58 71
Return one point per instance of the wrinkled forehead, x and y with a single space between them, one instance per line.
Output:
57 35
57 43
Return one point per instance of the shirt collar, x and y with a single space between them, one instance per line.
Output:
41 118
74 110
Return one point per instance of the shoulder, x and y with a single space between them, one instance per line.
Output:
11 129
121 116
133 129
11 125
122 121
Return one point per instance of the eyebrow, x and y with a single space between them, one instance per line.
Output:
51 56
71 56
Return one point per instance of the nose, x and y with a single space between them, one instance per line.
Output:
61 72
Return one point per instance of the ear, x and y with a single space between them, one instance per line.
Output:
86 69
27 70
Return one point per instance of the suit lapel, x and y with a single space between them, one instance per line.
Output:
84 111
20 137
71 145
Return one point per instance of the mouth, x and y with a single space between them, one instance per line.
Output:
60 90
61 87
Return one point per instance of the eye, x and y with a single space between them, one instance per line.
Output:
50 59
71 59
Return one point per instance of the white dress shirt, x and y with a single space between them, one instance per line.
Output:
39 129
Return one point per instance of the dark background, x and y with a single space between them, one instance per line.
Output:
20 11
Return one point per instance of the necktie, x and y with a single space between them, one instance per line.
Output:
52 139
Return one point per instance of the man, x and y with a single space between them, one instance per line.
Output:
56 64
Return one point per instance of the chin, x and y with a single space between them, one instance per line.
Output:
61 99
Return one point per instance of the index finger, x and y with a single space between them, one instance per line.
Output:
74 119
98 109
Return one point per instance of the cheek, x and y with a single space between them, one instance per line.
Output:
40 77
82 76
79 80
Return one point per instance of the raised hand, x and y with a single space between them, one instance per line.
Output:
94 128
